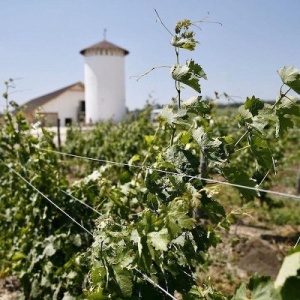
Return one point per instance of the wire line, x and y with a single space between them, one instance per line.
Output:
88 206
82 227
154 284
176 174
44 196
80 201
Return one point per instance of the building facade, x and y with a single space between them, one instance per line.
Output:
100 98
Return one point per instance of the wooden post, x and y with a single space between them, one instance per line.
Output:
298 182
58 134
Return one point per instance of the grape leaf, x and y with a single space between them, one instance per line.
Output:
262 288
177 218
135 237
159 239
290 290
239 177
261 151
189 74
241 293
123 278
291 77
254 105
185 40
171 117
49 250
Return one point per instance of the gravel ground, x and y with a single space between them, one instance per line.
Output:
9 288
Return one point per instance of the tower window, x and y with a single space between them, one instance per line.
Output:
68 121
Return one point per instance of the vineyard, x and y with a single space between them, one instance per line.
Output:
153 210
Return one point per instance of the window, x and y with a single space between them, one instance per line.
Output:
82 106
68 121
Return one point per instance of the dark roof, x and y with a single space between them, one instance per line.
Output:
37 102
104 45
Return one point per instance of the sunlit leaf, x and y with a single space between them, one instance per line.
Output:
189 74
291 77
159 239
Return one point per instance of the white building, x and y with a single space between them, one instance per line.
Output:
104 79
101 98
66 104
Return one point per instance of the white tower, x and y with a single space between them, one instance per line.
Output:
104 77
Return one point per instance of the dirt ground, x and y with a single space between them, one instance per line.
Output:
245 250
9 288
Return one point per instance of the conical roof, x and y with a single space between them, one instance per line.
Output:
104 45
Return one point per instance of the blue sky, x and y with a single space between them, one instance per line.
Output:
40 42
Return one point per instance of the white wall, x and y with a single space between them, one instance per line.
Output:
104 86
66 105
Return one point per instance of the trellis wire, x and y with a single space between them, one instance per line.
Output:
80 201
44 196
174 173
77 223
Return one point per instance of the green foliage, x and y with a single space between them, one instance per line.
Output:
37 242
157 239
153 188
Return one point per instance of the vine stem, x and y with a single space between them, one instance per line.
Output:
177 83
173 135
162 23
149 71
282 95
242 137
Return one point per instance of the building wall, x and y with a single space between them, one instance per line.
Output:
104 86
65 105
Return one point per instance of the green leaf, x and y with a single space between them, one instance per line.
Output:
168 115
197 106
191 101
289 268
214 210
241 293
264 118
254 105
77 240
185 40
149 139
261 151
285 110
205 140
291 77
183 160
262 288
159 239
239 177
18 256
244 114
290 289
49 250
97 295
68 296
189 74
124 279
199 136
177 219
135 237
185 137
97 274
35 289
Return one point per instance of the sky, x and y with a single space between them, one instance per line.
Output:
40 42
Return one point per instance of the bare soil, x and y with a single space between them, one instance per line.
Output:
247 250
9 288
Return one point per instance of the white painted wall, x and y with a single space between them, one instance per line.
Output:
104 75
66 105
